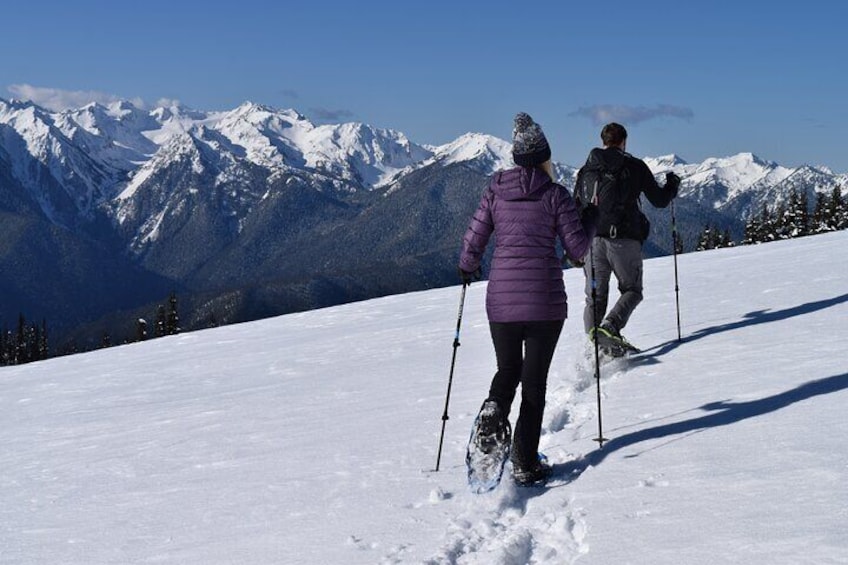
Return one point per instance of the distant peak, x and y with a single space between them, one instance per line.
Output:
248 108
479 140
18 104
671 160
123 105
176 110
748 157
92 106
494 153
744 159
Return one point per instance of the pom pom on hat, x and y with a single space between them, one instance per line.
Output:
529 145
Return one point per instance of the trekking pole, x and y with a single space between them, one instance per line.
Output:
675 239
445 416
600 439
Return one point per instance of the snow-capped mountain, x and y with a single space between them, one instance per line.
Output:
739 185
486 152
103 156
53 163
257 203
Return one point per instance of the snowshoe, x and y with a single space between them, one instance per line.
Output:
488 448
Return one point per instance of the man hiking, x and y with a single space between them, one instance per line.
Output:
614 180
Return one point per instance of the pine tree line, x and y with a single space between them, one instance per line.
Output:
28 342
786 220
25 344
712 237
793 218
167 321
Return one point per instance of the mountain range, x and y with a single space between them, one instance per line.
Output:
257 211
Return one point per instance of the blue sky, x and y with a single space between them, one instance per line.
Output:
699 80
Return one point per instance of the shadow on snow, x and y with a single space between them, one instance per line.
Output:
649 356
722 413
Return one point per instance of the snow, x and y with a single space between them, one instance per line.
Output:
355 150
108 154
182 146
312 437
495 153
738 173
664 162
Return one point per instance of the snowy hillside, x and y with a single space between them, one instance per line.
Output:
311 438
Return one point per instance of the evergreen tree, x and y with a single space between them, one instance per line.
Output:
782 221
725 239
790 219
4 359
818 223
33 342
796 223
834 208
161 321
803 214
141 330
173 322
43 344
212 321
704 240
767 226
20 342
840 212
752 228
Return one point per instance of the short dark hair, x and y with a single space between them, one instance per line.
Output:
613 134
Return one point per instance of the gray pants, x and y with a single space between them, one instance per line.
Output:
623 258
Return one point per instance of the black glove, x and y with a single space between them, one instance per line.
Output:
467 278
672 183
589 220
578 263
589 215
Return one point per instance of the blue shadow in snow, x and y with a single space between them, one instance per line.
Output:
648 356
722 413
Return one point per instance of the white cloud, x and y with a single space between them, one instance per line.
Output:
57 99
605 113
167 102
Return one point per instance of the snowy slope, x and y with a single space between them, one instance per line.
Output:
311 438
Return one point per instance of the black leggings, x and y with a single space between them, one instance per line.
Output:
524 351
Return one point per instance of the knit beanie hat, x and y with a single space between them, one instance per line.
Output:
529 146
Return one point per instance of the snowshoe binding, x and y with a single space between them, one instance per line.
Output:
611 343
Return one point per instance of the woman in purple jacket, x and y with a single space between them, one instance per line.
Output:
525 301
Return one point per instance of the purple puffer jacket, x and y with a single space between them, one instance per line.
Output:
526 211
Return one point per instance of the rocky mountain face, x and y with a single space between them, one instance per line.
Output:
258 211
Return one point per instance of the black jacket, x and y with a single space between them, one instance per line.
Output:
637 180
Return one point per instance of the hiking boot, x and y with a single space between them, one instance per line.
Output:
611 341
492 427
536 474
604 331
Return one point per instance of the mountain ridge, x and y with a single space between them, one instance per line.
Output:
258 201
